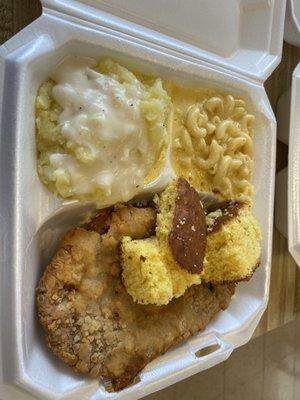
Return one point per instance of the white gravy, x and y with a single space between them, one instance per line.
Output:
104 128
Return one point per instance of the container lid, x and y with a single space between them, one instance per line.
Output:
295 12
292 23
243 36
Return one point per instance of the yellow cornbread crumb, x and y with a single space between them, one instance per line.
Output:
150 273
181 278
145 274
233 251
149 277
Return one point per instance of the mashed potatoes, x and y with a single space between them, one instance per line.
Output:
101 131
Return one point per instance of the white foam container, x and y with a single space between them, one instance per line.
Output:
283 117
292 23
293 183
281 200
198 43
287 206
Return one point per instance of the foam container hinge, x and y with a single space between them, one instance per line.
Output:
33 220
293 179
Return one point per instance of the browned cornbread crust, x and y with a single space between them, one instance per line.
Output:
187 238
92 323
230 210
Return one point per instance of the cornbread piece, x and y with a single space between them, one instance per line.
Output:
149 276
93 324
174 256
145 274
233 244
187 237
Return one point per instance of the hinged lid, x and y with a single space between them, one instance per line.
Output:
292 23
244 36
295 11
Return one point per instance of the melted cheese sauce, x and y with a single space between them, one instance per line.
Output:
104 129
183 98
208 160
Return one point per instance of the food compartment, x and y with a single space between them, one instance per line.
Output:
42 217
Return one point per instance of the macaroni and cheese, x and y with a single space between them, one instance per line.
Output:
212 142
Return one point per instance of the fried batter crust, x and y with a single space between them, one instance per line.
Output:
92 323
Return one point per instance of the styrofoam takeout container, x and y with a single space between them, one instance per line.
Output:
292 23
287 216
293 180
227 44
281 196
283 117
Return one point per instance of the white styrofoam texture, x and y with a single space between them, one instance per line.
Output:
281 209
242 35
283 117
292 23
294 170
32 219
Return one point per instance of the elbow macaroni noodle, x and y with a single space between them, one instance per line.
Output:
216 137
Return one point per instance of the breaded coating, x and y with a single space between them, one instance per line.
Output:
90 320
100 222
136 222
